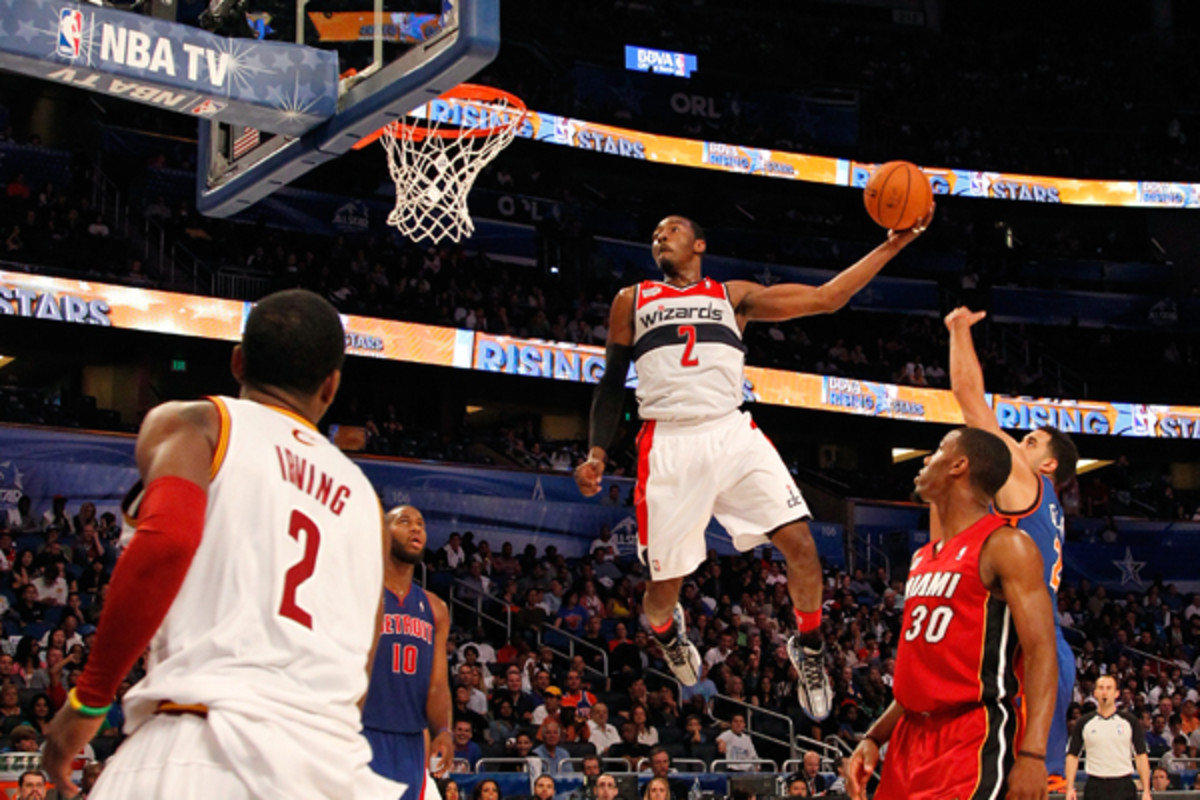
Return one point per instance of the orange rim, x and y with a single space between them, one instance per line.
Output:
513 113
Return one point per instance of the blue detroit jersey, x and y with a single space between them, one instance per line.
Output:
1044 523
403 665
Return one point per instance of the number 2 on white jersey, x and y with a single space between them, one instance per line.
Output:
688 332
302 570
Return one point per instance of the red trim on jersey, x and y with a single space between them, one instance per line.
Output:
144 584
705 287
645 441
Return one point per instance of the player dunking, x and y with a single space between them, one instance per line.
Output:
977 632
254 577
409 694
697 455
1043 458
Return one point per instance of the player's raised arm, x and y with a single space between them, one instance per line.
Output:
783 301
609 396
438 707
1006 567
174 455
966 381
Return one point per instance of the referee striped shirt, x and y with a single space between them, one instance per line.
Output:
1111 743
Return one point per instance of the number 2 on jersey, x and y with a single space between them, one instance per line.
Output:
303 569
688 332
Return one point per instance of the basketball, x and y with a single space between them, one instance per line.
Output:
897 195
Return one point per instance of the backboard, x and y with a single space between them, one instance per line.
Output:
391 62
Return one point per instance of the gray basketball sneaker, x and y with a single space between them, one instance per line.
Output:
814 689
682 656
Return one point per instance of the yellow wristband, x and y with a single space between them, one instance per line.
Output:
87 711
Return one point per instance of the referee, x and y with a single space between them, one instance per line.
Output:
1110 738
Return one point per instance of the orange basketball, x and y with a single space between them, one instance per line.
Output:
898 195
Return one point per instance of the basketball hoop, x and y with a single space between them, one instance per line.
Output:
435 155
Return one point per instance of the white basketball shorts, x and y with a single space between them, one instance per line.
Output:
689 472
187 757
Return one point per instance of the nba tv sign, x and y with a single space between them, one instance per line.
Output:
660 62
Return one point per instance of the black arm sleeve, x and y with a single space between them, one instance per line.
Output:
609 397
1137 732
1075 745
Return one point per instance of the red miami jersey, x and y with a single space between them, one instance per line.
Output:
958 646
688 352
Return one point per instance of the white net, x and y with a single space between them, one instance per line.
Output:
434 173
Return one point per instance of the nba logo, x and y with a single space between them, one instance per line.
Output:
70 32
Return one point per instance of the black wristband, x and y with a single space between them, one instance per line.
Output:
609 397
1031 754
878 744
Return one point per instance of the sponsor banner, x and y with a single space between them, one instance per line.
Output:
405 27
660 62
273 86
583 135
87 303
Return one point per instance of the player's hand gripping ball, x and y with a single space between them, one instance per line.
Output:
898 195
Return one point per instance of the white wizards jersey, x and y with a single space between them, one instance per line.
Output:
688 351
276 616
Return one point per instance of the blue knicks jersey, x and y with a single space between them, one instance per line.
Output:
403 665
1043 522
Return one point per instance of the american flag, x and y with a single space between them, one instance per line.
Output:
246 141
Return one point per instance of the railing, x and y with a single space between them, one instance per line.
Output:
667 677
573 640
607 764
475 603
751 711
643 765
240 284
525 763
732 764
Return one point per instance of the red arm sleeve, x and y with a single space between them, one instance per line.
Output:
144 584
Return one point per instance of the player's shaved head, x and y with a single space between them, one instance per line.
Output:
988 457
293 340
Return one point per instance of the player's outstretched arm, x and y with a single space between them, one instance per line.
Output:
783 301
1006 566
866 756
966 381
609 396
174 455
438 707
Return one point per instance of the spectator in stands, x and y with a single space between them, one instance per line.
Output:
31 786
577 696
621 604
571 615
551 706
475 584
544 788
1177 762
532 615
22 519
464 748
51 585
647 734
39 712
718 654
811 774
736 745
452 552
56 517
448 789
522 702
657 789
26 660
605 787
17 188
838 785
462 711
601 733
468 676
797 787
1160 780
11 712
1157 743
550 749
629 748
486 789
504 725
23 739
91 774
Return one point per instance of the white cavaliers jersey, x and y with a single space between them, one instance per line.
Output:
688 351
276 616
